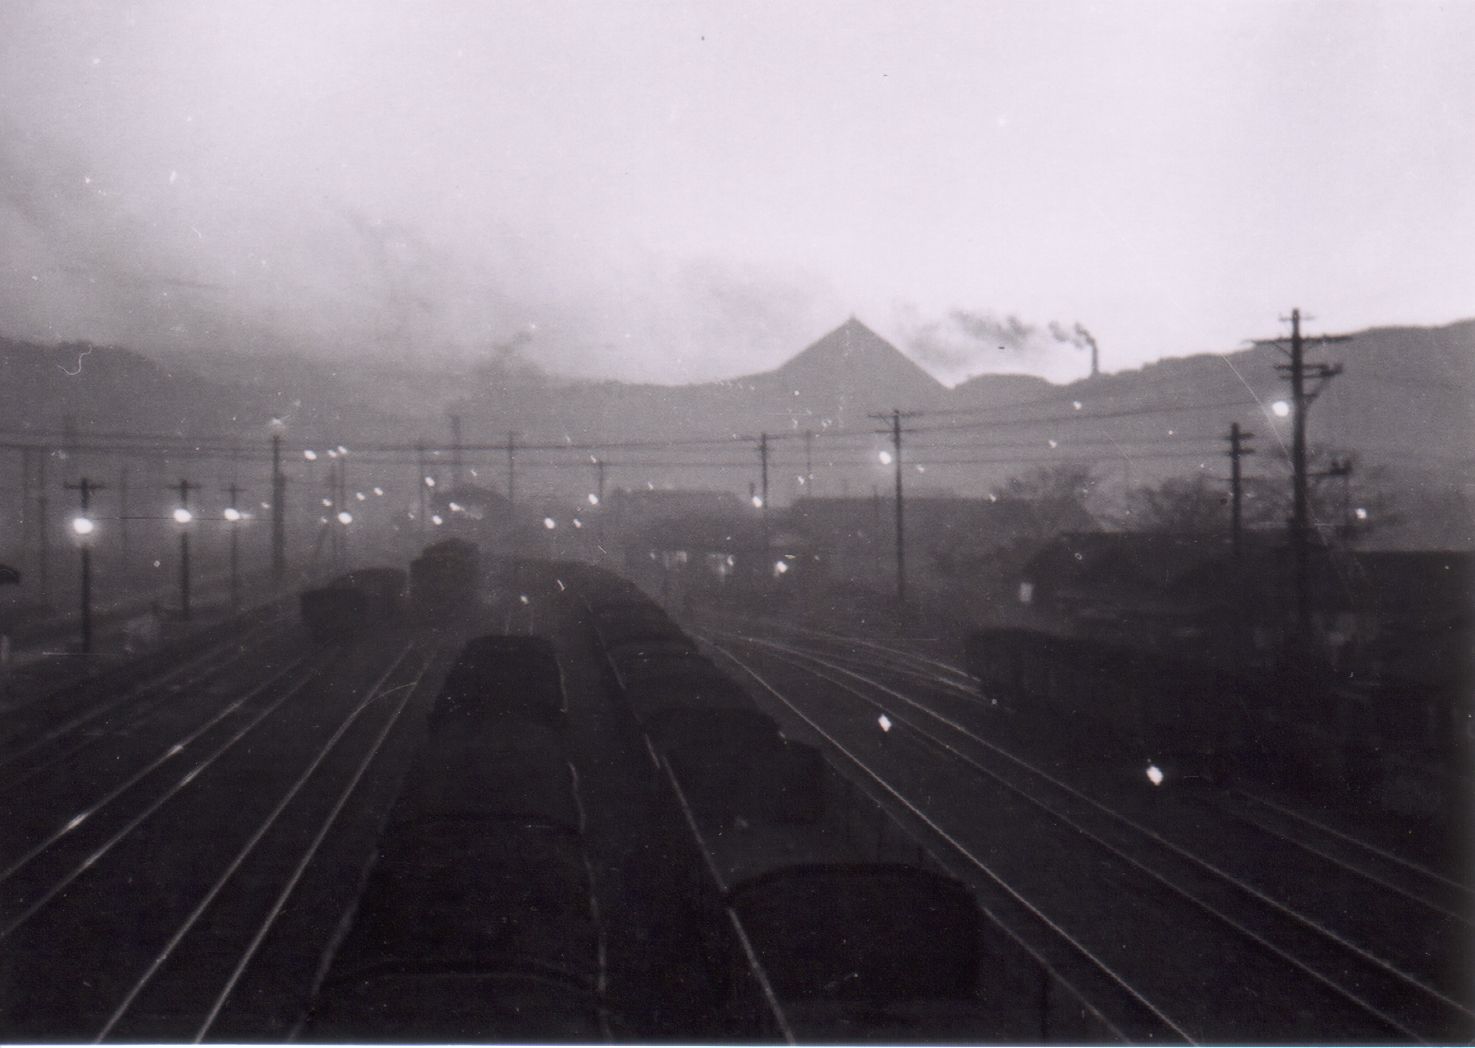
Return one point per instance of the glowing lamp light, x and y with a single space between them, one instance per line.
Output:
781 568
454 507
379 491
183 516
232 514
757 501
82 527
1360 513
360 496
332 454
436 518
327 503
310 455
885 458
342 450
578 523
593 499
1154 775
430 482
549 523
1280 409
345 517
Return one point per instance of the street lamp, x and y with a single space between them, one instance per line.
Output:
184 518
278 504
233 518
84 533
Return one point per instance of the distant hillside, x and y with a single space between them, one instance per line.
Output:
103 389
1405 404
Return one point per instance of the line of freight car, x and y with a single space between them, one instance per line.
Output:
807 936
446 577
478 921
352 603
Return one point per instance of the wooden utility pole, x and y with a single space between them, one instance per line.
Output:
456 452
511 470
1298 371
422 484
278 513
901 576
763 505
1237 450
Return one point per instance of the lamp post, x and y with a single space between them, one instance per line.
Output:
278 506
183 517
233 522
84 531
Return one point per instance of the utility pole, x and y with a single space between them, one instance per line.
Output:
511 470
123 519
42 511
422 482
341 504
901 576
233 519
25 504
763 504
456 460
1237 450
1301 400
183 517
599 481
1341 468
809 462
278 510
83 527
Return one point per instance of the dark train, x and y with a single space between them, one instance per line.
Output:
446 577
351 603
477 922
808 934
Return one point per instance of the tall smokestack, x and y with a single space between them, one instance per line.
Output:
1095 359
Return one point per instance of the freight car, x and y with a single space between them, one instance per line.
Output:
478 922
808 934
446 576
351 603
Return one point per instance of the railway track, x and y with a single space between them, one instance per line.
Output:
196 871
1363 988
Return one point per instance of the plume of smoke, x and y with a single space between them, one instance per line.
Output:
968 341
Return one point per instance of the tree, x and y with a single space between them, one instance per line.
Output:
1067 481
1193 505
1201 505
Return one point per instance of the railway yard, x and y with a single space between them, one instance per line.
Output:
187 840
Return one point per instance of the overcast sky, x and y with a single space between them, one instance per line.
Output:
674 191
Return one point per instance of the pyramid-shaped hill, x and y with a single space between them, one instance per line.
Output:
848 372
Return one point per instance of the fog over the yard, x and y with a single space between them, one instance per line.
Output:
680 192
